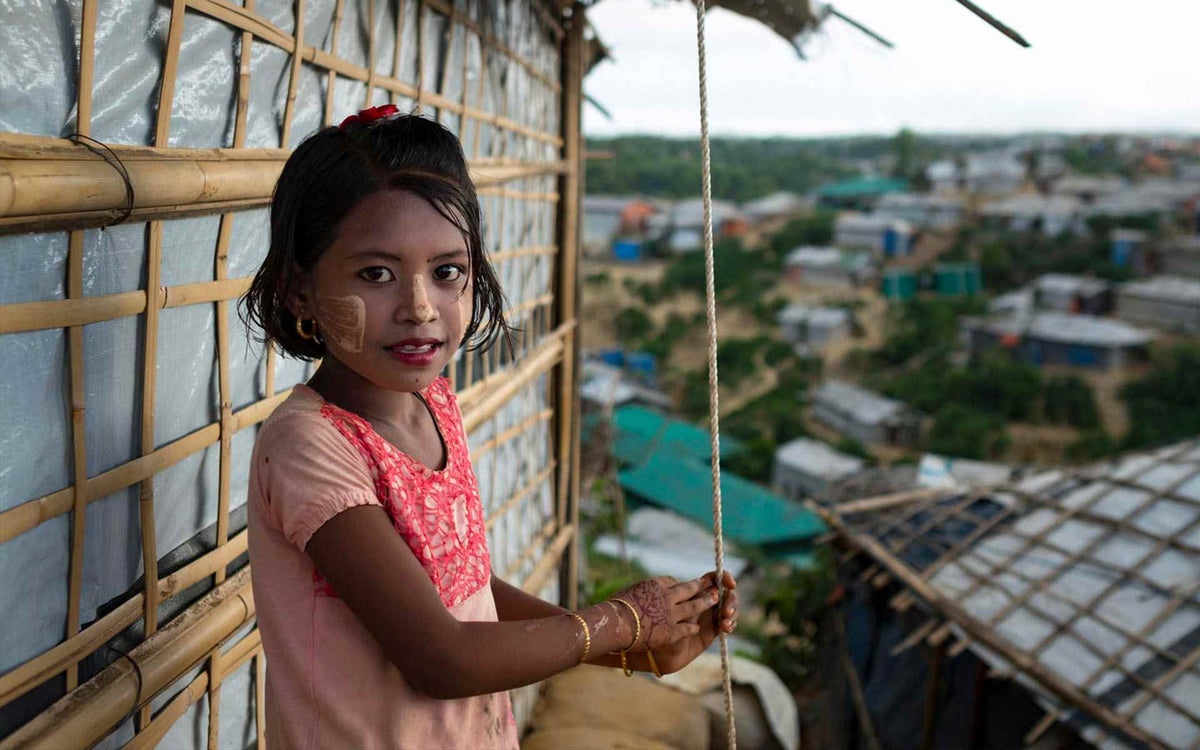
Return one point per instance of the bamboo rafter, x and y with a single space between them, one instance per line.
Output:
48 183
890 532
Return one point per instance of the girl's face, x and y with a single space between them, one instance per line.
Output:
392 295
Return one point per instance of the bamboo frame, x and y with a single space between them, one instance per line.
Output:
53 184
568 281
886 530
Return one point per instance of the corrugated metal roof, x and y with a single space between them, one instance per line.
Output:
817 459
1065 328
821 317
1167 288
827 257
865 406
851 221
1066 283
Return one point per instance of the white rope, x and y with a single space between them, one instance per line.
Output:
714 407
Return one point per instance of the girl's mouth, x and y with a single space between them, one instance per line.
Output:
415 352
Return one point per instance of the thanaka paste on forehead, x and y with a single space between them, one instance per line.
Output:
343 321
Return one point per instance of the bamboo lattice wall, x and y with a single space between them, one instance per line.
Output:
131 393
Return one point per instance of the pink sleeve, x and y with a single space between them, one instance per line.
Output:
310 472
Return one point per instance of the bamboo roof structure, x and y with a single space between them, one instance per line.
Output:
1082 585
139 146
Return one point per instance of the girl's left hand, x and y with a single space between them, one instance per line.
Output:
721 618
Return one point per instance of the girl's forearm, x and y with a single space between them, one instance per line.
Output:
513 603
487 657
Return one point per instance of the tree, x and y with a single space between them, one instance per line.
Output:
632 324
1165 405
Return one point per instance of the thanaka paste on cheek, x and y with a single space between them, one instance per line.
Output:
343 321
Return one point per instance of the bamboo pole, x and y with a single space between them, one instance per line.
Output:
370 53
522 427
520 495
419 96
545 566
535 545
86 715
567 281
260 702
870 736
150 737
398 50
87 58
149 536
289 111
447 48
338 11
872 504
478 404
933 687
53 183
447 8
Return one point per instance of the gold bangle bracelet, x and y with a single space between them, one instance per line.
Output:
637 621
637 634
587 637
653 664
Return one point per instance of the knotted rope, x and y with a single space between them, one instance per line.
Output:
714 409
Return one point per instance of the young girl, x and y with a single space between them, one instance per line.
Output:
381 620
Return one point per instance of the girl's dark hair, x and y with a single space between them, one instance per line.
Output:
328 175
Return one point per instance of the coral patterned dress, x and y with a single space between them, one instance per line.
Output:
329 684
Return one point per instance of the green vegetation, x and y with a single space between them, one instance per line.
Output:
794 602
1012 259
925 326
1165 404
971 405
1095 155
769 421
854 448
1069 400
742 168
816 229
633 323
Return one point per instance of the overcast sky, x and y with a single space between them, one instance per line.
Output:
1095 65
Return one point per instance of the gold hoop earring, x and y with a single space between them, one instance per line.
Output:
309 334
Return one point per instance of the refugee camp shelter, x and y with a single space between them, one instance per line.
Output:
1054 338
130 390
1169 303
1066 603
865 416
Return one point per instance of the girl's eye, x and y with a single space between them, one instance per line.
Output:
376 274
449 272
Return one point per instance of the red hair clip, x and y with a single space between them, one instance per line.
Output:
371 114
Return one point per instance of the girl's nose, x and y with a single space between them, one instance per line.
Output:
419 309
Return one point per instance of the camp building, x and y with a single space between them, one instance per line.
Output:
864 415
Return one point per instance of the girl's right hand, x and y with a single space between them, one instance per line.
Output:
668 609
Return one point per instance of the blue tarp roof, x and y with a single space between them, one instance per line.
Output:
639 431
751 513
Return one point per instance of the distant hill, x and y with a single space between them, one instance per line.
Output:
748 168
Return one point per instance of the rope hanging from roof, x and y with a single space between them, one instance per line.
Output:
714 416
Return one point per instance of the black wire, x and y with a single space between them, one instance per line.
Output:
115 162
137 670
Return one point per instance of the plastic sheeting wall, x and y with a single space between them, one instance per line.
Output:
489 71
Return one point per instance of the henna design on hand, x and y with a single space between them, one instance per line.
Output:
650 598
